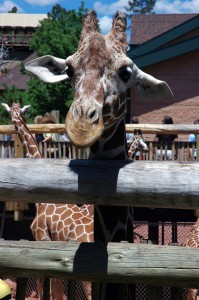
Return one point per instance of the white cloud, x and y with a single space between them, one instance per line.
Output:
161 6
8 5
105 24
41 2
176 6
110 9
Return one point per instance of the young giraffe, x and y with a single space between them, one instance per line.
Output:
17 115
100 73
138 144
193 242
57 222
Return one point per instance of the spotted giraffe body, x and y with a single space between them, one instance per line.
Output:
63 222
56 222
100 74
193 242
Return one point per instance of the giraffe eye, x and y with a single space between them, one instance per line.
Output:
125 73
69 71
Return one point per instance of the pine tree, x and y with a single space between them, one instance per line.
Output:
141 6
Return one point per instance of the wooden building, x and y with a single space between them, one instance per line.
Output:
16 31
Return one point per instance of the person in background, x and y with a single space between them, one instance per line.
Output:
166 140
49 118
192 139
52 152
129 137
64 138
39 136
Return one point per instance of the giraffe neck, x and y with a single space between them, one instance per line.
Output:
112 223
112 144
26 137
193 237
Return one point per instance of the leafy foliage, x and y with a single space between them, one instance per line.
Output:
141 6
58 35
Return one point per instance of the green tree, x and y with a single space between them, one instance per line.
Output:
140 6
13 10
57 35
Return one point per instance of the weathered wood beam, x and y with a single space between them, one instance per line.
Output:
164 129
114 262
139 183
35 128
146 128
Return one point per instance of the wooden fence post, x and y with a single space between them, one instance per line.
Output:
18 208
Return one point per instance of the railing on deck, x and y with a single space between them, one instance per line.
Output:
18 39
67 150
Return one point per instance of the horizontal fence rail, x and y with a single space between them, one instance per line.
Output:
180 149
140 183
146 128
112 262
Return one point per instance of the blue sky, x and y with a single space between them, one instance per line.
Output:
104 8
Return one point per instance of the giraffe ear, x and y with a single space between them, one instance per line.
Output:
48 68
148 87
25 108
6 107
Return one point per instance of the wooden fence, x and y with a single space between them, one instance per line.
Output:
163 184
66 150
141 183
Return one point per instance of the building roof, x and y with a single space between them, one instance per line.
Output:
162 37
146 27
15 77
21 20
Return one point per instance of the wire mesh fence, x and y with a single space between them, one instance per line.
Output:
166 231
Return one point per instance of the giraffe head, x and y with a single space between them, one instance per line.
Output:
100 73
138 144
16 110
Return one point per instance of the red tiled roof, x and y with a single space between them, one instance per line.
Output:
146 27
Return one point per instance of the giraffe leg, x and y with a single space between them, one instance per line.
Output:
87 288
192 294
40 286
57 289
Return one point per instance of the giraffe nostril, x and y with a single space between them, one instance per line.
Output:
92 115
76 112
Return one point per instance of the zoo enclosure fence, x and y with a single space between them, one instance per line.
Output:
66 150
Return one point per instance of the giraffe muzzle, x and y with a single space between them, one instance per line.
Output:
84 126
